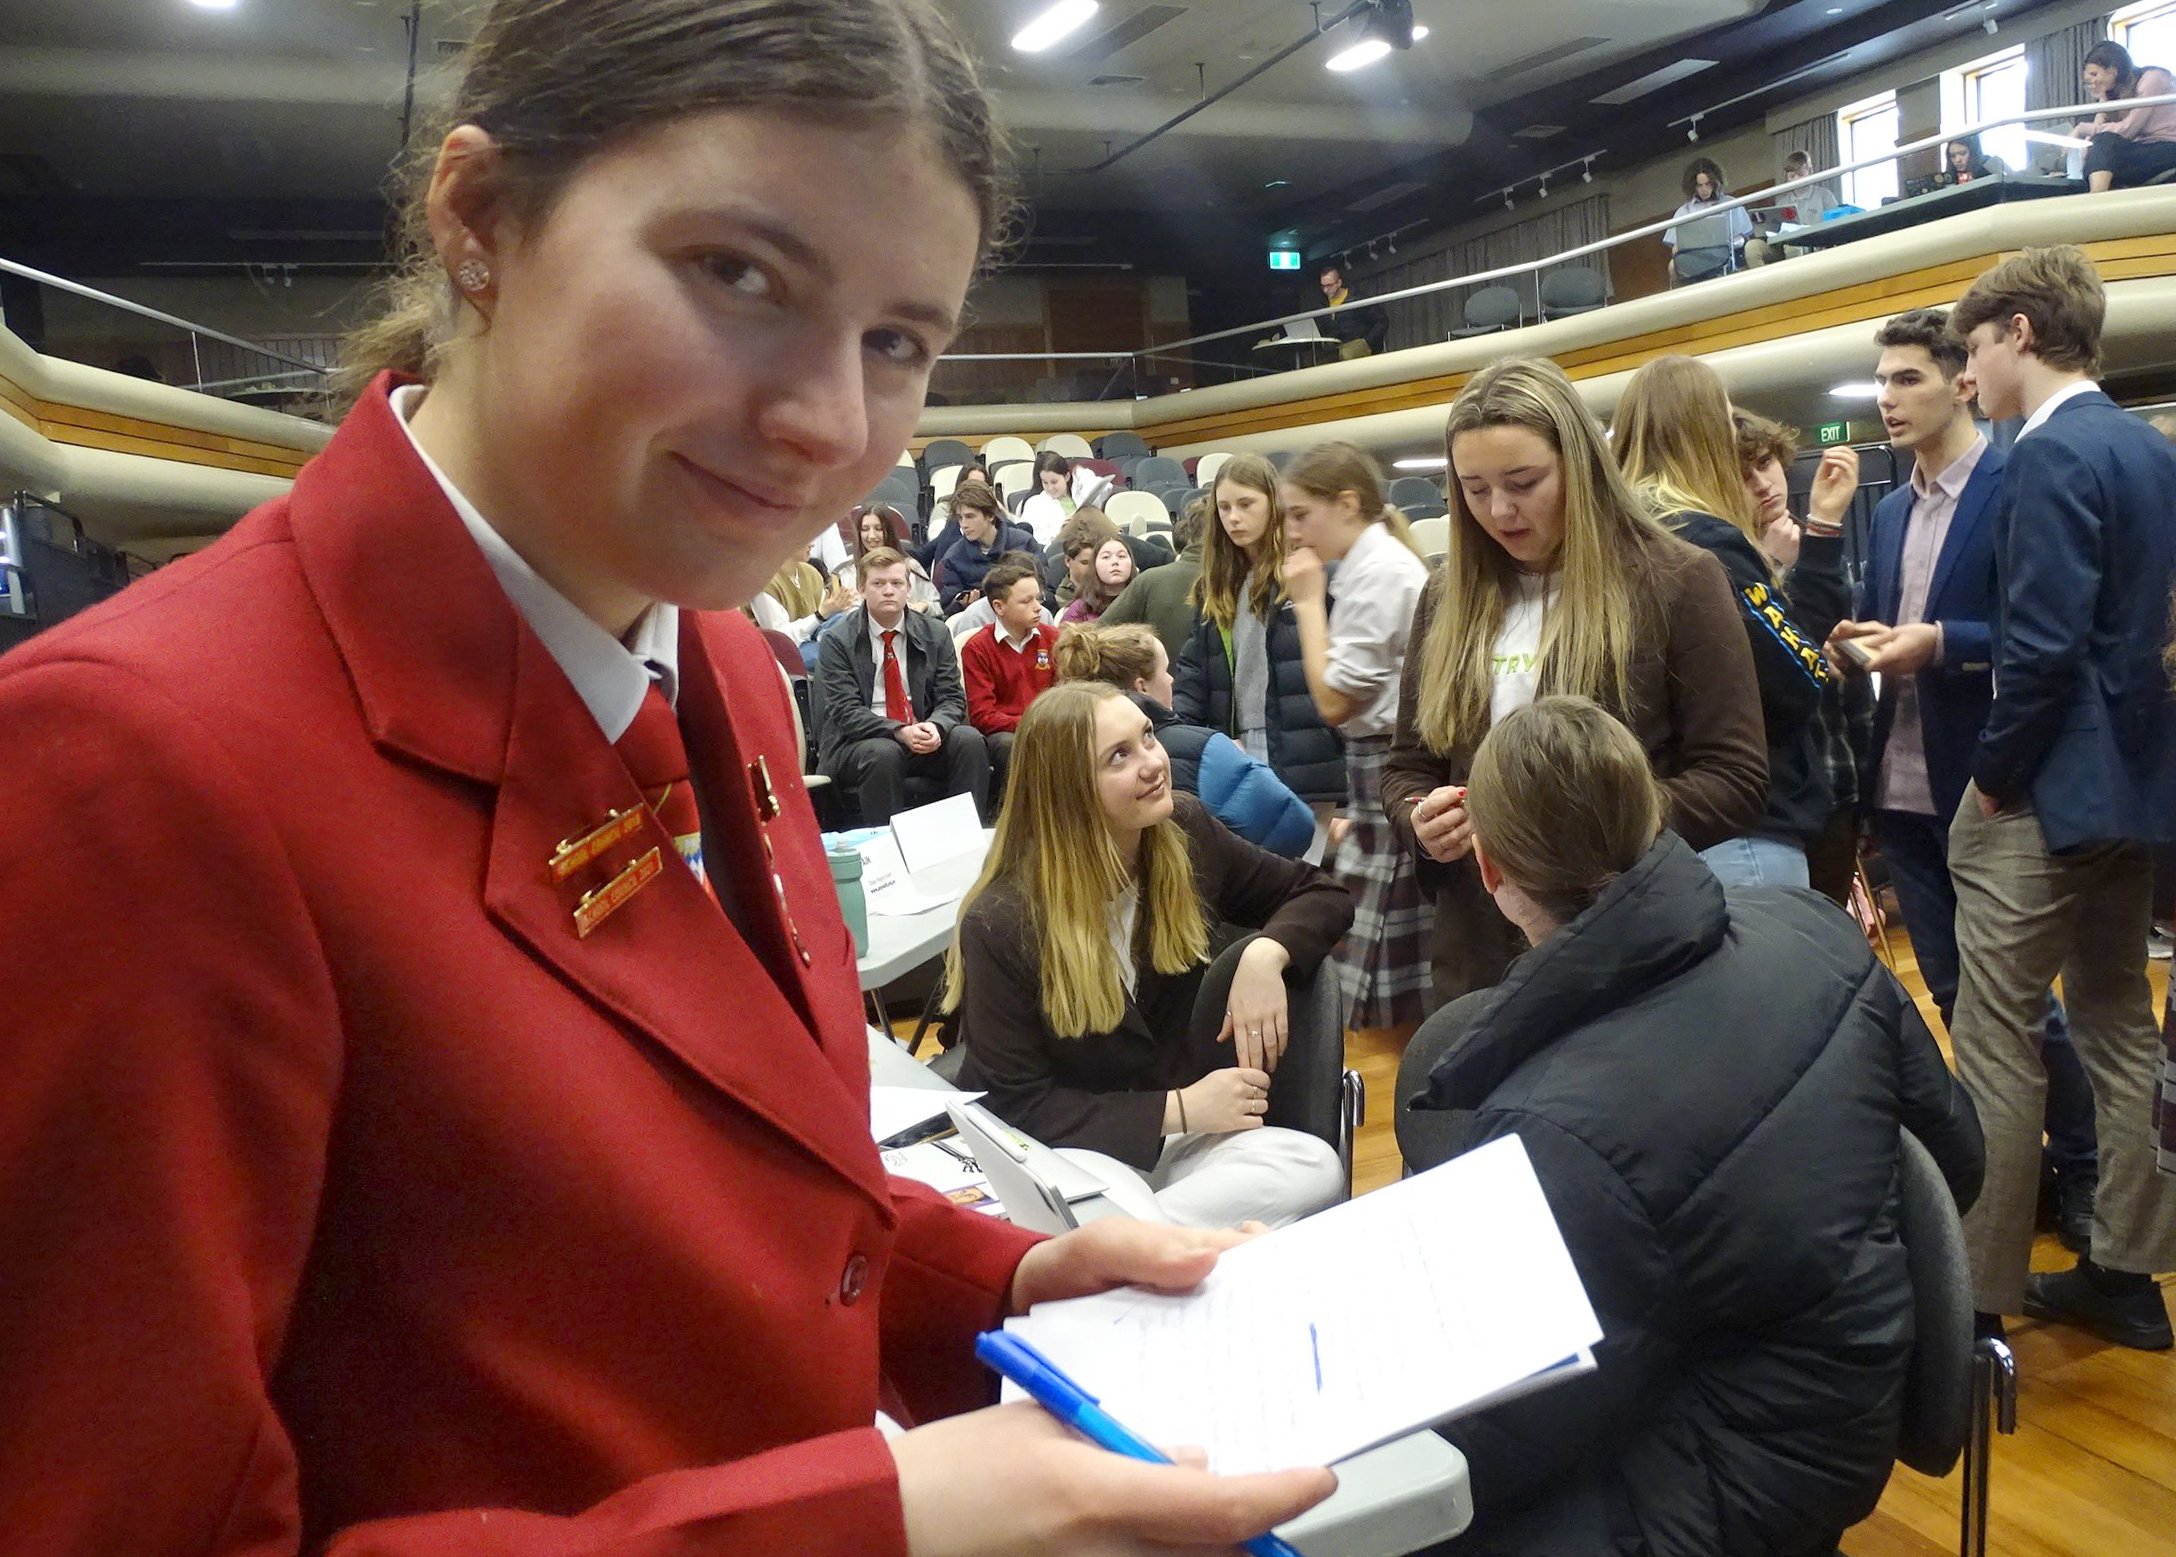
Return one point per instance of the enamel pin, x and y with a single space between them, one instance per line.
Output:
598 906
573 854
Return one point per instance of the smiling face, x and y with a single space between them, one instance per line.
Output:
1769 490
873 533
1917 404
1054 483
1133 776
1512 482
714 339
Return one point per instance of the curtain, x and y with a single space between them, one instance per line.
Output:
1420 321
2054 61
1816 137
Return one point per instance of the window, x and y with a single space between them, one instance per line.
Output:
1991 88
1865 130
2148 31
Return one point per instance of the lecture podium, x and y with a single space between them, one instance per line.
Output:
1389 1501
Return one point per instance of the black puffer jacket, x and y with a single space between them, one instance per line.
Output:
1307 754
1710 1090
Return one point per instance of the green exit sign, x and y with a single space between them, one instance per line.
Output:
1284 259
1831 433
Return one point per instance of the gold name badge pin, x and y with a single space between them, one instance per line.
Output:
598 906
573 854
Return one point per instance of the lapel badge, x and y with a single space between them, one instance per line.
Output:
598 906
759 775
572 854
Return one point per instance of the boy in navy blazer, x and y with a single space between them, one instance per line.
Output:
2073 777
1925 610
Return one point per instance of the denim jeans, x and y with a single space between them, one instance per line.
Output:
1917 851
1757 862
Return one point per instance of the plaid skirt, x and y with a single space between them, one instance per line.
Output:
1382 964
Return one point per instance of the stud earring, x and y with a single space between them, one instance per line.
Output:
473 275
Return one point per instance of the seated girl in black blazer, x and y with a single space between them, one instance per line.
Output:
1080 952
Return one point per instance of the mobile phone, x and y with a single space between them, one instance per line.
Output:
1856 652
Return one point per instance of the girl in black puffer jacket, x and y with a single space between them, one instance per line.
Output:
1242 671
1710 1085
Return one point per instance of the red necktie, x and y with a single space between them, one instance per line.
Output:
657 760
896 706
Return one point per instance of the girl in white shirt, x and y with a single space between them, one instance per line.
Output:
1052 504
1353 651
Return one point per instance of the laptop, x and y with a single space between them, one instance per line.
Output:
1302 330
1036 1185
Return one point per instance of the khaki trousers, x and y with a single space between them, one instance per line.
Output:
2025 916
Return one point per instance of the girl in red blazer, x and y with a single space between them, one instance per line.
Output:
427 1132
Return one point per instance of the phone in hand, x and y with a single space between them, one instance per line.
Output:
1856 652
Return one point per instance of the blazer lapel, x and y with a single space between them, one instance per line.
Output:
1972 505
667 962
1889 560
446 672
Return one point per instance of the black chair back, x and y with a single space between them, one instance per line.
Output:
1939 1389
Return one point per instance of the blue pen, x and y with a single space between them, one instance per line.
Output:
1049 1388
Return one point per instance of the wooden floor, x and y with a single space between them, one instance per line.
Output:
2091 1471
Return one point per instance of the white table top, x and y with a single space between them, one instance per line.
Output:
900 943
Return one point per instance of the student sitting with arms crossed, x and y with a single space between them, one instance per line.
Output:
1079 955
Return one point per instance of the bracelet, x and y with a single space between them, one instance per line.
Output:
1179 1098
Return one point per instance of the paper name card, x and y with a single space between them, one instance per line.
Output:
928 836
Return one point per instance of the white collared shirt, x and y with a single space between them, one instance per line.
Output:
2053 403
877 704
610 676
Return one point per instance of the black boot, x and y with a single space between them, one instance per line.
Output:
2117 1306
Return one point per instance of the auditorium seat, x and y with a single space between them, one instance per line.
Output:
1489 310
946 452
1072 445
1575 290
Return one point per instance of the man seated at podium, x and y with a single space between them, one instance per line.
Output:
1710 1083
889 705
1361 330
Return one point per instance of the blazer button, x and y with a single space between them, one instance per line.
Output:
853 1279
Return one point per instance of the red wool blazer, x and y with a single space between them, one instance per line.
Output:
348 1199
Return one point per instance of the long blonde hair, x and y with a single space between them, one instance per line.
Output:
1675 440
1606 562
1063 866
1227 573
1329 470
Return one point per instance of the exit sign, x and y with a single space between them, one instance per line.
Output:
1284 259
1831 433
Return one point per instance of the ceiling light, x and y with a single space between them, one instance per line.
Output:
1061 21
215 5
1422 462
1865 391
1366 52
1382 26
1507 200
1276 183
